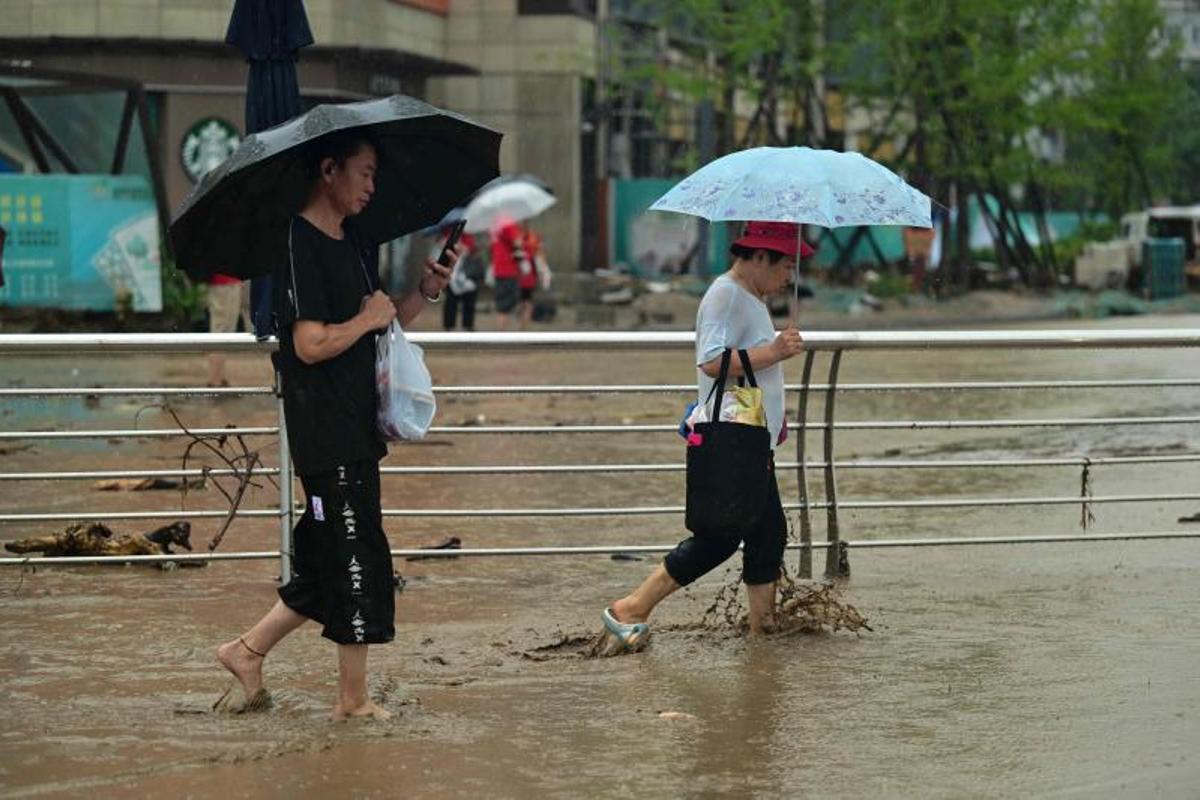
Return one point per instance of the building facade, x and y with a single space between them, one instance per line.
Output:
521 66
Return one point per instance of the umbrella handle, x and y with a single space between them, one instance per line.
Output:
793 311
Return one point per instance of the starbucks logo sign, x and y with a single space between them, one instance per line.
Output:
206 144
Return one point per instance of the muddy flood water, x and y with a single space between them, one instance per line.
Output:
1050 670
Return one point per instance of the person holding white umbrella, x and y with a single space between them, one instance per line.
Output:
783 188
733 315
508 258
498 209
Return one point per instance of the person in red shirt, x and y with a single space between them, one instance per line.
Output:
508 242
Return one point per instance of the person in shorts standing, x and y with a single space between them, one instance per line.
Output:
330 307
733 314
227 303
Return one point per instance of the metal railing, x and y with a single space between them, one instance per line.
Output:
835 344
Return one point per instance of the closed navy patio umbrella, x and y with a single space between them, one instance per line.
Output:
269 33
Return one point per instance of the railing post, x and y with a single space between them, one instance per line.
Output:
287 504
837 561
804 569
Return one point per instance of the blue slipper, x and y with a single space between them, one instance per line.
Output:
631 634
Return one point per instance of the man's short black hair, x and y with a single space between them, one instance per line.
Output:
340 146
747 253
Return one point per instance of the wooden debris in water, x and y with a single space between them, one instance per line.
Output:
144 484
448 543
799 608
96 539
229 702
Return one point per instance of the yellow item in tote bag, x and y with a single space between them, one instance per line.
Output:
743 404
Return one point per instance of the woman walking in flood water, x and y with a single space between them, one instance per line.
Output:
732 315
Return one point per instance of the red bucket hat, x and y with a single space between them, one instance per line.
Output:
782 237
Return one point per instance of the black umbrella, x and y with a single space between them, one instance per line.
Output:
235 221
269 32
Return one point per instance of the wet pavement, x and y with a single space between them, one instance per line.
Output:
1048 670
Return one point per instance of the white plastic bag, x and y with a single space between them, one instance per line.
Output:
406 403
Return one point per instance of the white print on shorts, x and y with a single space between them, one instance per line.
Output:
355 570
318 509
360 631
349 521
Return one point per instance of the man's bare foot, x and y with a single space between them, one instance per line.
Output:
763 626
365 710
243 664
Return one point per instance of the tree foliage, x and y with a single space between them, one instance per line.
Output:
1070 104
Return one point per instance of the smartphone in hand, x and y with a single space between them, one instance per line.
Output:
447 256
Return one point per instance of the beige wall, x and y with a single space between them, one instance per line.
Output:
540 118
490 36
530 89
375 24
352 23
155 19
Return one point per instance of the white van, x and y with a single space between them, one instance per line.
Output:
1163 222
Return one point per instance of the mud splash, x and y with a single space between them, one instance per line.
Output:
806 607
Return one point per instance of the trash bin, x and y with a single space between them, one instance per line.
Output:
1162 264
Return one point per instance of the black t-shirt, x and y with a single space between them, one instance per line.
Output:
329 406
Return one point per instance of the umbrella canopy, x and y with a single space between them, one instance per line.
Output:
798 184
517 177
235 221
508 200
456 214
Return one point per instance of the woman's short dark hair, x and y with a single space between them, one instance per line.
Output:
747 253
340 146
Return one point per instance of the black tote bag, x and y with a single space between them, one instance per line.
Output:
728 466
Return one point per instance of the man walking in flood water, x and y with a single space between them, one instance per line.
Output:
330 306
732 315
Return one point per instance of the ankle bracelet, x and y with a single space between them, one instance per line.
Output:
251 649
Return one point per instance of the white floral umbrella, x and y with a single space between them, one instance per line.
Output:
516 200
798 184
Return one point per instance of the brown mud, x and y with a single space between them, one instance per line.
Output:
1051 670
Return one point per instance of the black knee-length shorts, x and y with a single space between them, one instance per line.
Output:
761 559
341 561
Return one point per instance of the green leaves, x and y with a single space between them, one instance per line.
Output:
1079 93
1070 104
